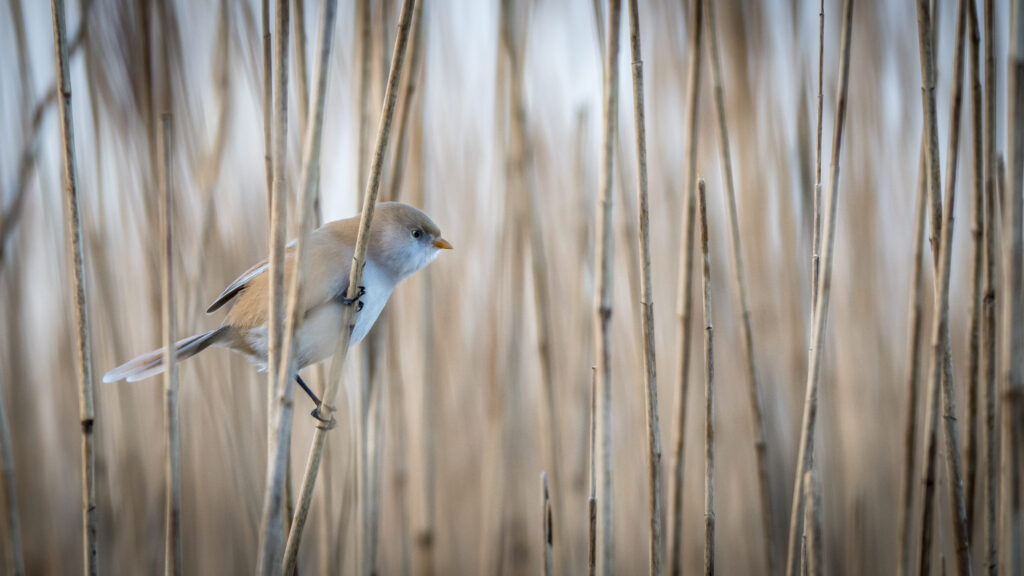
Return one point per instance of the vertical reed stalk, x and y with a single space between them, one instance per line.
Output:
271 534
656 548
408 94
684 302
709 391
915 322
301 69
978 267
363 54
355 277
814 367
172 510
812 524
525 193
991 553
927 26
73 231
603 291
753 385
941 369
1013 309
592 497
9 495
816 223
282 380
268 106
547 545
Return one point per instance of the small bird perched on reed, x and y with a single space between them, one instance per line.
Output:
402 241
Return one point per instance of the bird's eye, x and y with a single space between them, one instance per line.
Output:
416 233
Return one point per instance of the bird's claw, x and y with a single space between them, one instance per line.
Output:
325 423
356 300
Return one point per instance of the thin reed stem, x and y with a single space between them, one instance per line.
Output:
547 544
915 322
83 332
408 94
739 278
172 502
592 496
656 547
991 550
684 303
363 54
1013 308
941 369
709 391
9 494
812 524
978 266
355 278
271 534
268 106
816 222
814 368
603 292
287 369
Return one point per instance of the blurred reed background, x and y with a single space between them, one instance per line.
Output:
503 150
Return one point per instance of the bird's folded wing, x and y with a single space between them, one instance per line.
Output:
326 276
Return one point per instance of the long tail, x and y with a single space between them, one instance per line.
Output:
152 363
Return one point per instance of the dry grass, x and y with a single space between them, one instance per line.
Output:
461 388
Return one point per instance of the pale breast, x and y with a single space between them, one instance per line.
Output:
378 289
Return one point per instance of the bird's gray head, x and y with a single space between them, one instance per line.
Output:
403 239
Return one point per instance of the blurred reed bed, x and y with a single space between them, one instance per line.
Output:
479 376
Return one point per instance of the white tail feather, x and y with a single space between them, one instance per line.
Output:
152 363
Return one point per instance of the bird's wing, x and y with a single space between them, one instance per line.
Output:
242 281
326 279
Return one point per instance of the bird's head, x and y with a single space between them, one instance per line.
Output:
404 239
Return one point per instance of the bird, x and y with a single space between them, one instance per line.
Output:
402 241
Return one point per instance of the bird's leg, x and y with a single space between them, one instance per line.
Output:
328 424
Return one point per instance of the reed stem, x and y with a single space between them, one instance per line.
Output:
83 332
820 320
709 391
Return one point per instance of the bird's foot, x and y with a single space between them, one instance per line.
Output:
325 423
356 300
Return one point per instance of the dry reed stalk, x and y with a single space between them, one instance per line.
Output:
915 322
736 245
9 496
268 105
991 220
547 545
172 426
301 69
520 161
355 277
73 231
650 375
592 497
408 94
927 25
685 303
363 55
271 534
709 390
272 538
603 292
820 322
978 266
816 222
1013 310
812 524
941 369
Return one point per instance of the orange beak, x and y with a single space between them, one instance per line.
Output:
443 244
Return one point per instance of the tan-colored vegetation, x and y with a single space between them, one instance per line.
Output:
565 171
